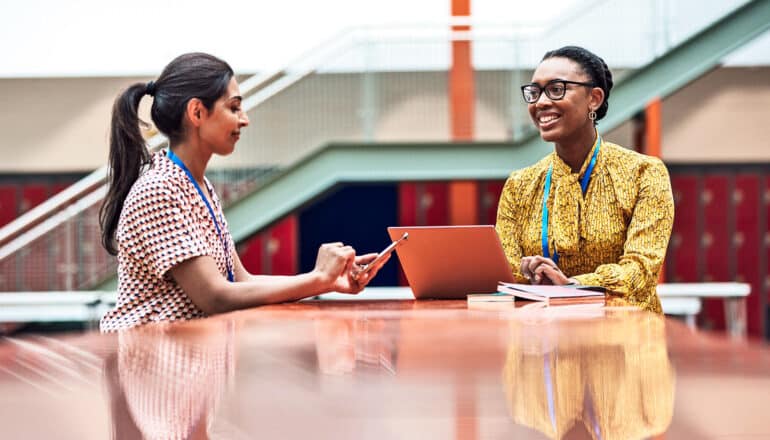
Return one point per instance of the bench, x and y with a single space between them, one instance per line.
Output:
79 306
733 294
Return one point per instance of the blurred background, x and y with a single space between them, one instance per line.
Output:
371 114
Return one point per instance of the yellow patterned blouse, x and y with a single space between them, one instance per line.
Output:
616 236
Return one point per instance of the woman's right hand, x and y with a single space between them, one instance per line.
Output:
541 270
532 270
334 260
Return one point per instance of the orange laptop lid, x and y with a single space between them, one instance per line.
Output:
449 262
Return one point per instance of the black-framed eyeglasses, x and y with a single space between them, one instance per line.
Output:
554 89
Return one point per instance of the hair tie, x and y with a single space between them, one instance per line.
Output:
149 89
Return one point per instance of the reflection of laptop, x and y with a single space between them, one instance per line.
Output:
449 262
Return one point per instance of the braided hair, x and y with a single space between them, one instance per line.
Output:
593 66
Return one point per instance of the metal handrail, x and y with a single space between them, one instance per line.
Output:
29 225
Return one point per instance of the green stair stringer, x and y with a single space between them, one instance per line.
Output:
688 61
348 163
340 163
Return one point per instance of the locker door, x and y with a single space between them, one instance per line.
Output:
250 253
716 242
434 203
747 244
407 204
282 247
8 212
490 197
8 203
766 252
32 195
422 204
684 246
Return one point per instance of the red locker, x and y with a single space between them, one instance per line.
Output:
684 245
407 204
716 243
433 202
251 254
32 195
8 212
58 187
422 204
747 244
272 251
282 246
488 201
8 203
766 242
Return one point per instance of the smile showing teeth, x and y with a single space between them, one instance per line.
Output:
544 119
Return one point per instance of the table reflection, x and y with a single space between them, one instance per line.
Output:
349 344
166 381
605 375
391 370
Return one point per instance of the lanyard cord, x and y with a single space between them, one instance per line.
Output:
174 158
547 191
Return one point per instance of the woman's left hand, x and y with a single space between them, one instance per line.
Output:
547 274
348 283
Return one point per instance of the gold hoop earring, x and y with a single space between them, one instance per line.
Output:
592 116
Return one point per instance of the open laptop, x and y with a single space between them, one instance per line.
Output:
449 262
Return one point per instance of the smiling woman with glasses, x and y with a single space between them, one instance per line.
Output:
591 212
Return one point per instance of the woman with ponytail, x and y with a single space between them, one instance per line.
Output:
591 212
161 217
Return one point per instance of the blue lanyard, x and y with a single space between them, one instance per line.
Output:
174 158
583 186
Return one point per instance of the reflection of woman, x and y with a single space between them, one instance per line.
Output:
169 381
604 379
591 212
344 345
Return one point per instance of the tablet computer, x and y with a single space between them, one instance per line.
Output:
450 262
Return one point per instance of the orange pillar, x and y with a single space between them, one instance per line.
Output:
463 195
653 132
652 143
461 86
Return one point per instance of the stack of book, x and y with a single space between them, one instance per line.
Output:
550 295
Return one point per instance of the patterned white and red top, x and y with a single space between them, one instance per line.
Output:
164 222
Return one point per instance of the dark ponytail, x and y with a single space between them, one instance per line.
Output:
192 75
593 66
128 155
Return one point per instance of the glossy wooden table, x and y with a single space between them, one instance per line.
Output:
390 369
